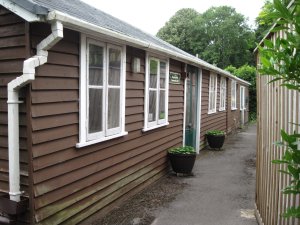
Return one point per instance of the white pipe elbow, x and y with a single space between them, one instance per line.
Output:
13 87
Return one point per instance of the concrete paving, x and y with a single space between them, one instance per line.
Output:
222 190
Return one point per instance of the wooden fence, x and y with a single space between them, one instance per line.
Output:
278 108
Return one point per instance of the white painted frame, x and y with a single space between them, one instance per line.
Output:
223 91
212 77
100 134
242 98
198 127
116 130
233 95
163 122
25 14
84 138
242 104
198 107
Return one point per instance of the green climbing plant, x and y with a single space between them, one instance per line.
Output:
281 60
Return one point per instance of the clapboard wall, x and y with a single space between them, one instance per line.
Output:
215 120
72 184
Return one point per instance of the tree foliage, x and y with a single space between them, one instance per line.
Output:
264 21
247 73
219 36
281 59
177 31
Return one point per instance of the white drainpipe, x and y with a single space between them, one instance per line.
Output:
13 105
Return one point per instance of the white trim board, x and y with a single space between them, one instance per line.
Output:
25 14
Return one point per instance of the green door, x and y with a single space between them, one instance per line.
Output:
191 107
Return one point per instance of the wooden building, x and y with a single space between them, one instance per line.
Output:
277 108
89 106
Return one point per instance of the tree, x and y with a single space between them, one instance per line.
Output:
219 36
177 31
247 73
225 37
264 21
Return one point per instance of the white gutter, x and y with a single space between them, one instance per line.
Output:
79 24
13 88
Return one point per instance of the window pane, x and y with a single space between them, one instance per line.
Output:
95 110
95 65
113 110
114 67
153 73
162 105
152 106
162 74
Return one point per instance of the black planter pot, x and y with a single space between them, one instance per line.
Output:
182 163
215 141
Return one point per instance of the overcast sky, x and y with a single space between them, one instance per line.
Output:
150 16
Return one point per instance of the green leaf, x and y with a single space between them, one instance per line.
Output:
268 43
292 212
265 62
279 143
285 136
282 9
290 86
287 156
278 161
294 171
287 192
285 172
274 80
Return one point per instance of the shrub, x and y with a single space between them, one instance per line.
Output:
215 132
182 150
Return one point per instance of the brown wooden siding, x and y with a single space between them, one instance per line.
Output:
215 120
13 51
233 119
72 184
277 108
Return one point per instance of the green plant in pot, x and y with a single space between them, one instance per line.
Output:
182 159
215 138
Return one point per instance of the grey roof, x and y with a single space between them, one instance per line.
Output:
83 11
89 14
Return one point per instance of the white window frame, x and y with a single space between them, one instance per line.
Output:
212 93
242 98
233 95
223 89
86 138
158 122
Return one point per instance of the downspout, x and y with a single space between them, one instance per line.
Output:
13 88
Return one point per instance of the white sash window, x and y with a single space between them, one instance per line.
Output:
156 93
222 94
233 94
102 91
212 99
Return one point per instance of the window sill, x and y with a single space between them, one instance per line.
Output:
87 143
212 112
154 127
222 110
233 109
